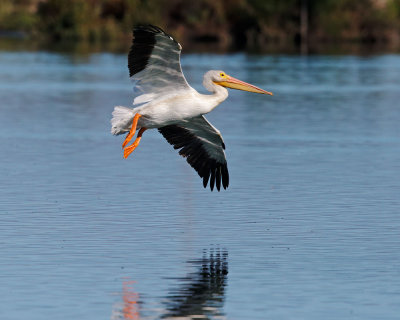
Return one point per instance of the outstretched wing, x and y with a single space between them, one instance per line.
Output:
154 63
203 147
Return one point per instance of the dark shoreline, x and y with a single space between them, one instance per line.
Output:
86 47
295 26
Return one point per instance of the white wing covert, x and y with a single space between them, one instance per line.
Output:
203 147
154 64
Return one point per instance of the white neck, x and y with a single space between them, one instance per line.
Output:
218 95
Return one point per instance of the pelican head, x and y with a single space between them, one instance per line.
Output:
220 78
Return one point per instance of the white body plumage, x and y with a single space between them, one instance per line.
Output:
166 101
171 108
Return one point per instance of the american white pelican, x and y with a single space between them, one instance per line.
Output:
166 101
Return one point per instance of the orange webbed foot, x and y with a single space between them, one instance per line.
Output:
127 139
133 146
133 130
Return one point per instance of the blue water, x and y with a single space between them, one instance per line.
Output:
308 228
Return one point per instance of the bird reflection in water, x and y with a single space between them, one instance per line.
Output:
201 294
129 309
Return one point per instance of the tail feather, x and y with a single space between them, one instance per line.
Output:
121 120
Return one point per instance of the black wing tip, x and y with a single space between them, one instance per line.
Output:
144 39
149 28
214 173
218 176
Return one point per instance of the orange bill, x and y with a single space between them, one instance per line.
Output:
233 83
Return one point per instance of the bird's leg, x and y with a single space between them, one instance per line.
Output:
128 150
133 130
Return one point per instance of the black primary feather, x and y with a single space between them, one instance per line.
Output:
191 148
144 39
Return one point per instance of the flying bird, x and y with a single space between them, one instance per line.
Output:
165 101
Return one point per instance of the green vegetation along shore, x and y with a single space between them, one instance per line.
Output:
225 24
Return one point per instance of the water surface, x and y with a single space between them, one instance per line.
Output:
309 225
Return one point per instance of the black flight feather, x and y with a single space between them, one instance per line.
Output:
144 39
191 148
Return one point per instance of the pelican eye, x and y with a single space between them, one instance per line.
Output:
222 75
